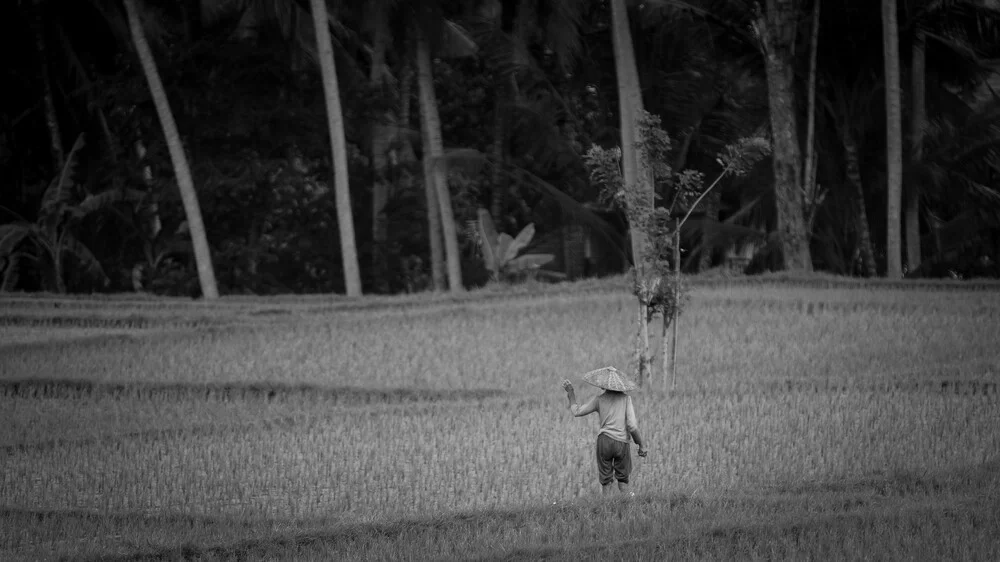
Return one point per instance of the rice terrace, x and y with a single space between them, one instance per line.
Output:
809 420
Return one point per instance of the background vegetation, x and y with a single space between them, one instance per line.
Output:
522 91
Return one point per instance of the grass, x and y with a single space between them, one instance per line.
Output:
835 423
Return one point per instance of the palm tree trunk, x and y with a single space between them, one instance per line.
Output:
381 139
894 139
51 118
918 122
809 170
185 183
338 146
853 173
434 235
634 166
434 163
779 35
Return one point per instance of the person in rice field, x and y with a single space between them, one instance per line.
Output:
618 423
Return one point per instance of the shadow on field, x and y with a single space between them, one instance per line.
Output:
161 433
926 532
950 516
76 389
400 532
951 383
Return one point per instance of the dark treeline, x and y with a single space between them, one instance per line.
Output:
445 107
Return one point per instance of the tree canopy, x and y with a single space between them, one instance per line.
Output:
523 90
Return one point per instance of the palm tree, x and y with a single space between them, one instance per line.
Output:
338 146
777 31
849 108
636 171
810 190
894 139
962 28
435 167
961 157
185 183
382 137
918 122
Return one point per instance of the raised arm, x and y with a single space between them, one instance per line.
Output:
588 408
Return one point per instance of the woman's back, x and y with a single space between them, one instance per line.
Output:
616 414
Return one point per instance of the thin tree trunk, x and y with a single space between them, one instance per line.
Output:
665 347
405 94
642 346
634 166
853 173
809 171
338 147
918 122
894 140
152 228
381 139
185 183
675 313
712 203
630 108
48 101
779 35
498 199
434 236
433 152
57 264
502 98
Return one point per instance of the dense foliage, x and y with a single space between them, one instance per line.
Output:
517 119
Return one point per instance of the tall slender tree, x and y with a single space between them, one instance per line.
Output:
894 139
381 138
918 122
777 30
338 147
436 171
849 105
185 183
810 190
635 168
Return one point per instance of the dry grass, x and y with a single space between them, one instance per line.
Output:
206 435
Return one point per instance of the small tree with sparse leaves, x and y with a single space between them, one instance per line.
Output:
655 277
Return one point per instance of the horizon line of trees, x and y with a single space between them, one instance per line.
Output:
305 145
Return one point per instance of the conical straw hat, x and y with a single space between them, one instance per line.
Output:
610 378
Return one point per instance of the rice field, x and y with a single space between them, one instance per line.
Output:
161 429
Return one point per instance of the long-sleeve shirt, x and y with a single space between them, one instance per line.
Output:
615 412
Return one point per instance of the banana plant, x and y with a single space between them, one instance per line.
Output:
500 251
50 239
